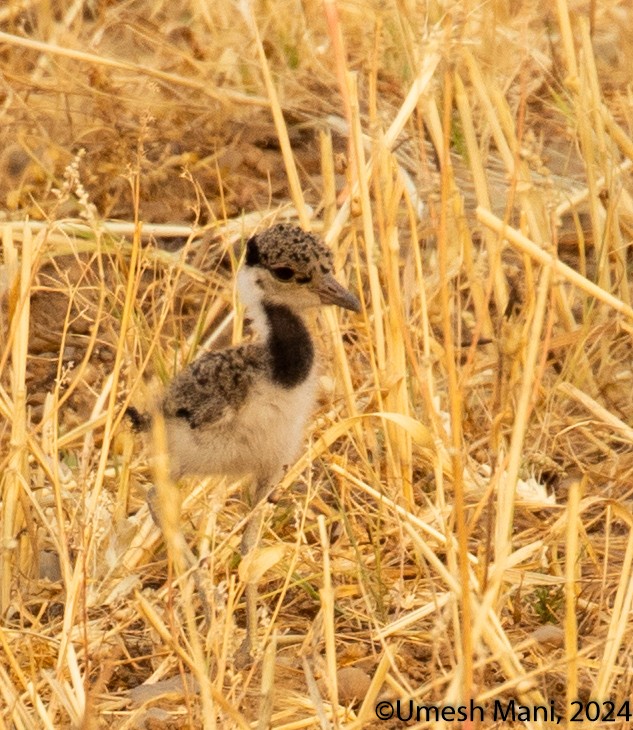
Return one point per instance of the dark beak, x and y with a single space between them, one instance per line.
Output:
331 292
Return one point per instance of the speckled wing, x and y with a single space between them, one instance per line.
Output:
212 389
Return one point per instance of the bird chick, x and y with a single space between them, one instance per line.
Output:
242 410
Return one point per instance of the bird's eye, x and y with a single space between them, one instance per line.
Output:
283 273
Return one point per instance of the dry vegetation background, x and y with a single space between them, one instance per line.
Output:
460 525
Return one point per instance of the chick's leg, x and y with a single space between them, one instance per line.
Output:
249 542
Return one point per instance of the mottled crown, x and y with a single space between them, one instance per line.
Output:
288 245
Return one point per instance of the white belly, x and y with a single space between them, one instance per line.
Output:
262 438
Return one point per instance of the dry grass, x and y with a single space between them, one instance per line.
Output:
460 524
